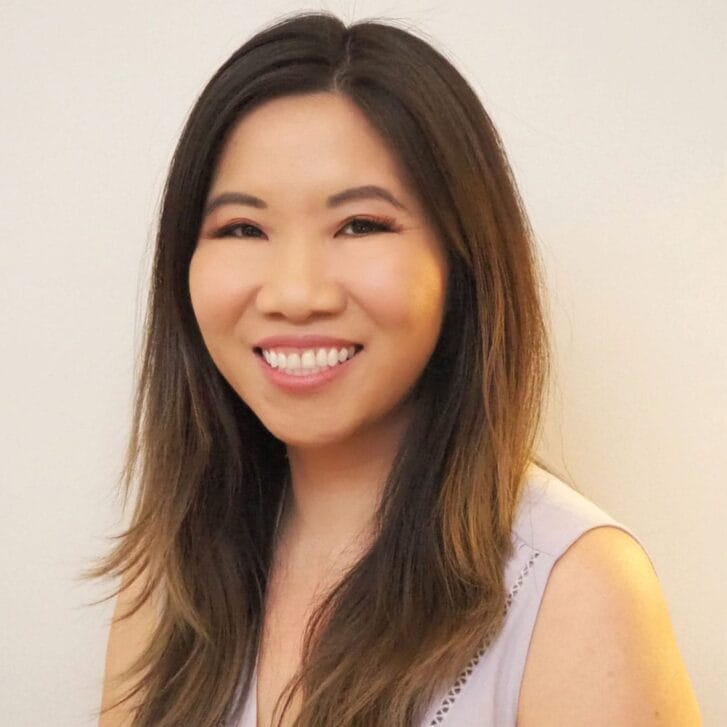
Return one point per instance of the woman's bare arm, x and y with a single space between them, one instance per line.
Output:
127 639
603 650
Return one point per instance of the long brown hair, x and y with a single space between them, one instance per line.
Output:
429 591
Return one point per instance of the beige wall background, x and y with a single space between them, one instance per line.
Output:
614 117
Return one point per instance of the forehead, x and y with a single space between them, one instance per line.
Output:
310 142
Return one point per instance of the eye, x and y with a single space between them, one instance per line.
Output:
244 226
384 224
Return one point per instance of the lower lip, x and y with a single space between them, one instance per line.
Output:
306 382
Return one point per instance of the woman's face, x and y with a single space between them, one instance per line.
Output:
297 264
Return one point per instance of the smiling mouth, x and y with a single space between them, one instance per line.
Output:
358 348
311 368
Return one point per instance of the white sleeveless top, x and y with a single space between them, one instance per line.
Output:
551 516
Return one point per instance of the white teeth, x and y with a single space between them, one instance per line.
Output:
309 361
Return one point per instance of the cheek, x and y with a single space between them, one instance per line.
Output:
406 294
216 291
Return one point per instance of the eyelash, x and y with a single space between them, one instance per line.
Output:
382 224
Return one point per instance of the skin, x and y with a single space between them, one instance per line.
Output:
303 269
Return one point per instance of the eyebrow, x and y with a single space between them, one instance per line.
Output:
368 191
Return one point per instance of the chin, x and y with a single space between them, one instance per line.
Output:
312 438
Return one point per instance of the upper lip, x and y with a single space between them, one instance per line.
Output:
306 341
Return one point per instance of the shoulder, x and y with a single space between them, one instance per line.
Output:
603 649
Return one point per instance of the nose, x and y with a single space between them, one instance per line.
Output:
298 283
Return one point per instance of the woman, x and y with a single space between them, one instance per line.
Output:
339 518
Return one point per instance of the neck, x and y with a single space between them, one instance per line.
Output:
334 491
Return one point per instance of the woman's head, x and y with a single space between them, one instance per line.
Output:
304 109
317 253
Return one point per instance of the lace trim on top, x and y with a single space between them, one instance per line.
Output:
451 697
